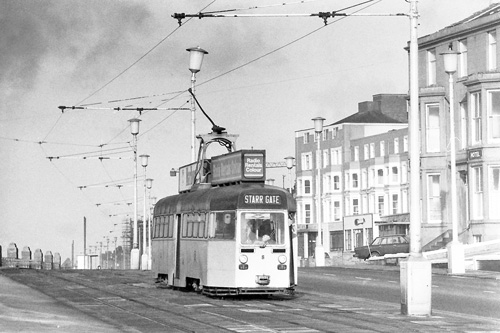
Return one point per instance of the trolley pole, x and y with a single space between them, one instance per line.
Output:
416 272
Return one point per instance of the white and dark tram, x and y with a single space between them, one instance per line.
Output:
229 235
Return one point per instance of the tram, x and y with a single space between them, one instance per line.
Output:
229 235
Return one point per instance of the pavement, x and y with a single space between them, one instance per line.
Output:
23 309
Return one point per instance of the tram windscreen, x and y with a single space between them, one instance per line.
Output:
262 228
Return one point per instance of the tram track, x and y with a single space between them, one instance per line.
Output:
130 302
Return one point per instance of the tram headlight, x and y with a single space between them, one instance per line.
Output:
282 259
243 259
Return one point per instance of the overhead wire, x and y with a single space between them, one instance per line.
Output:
209 80
105 85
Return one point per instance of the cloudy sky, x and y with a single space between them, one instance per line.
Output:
263 79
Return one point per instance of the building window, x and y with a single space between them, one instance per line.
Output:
476 117
380 205
477 238
325 134
404 173
366 152
372 150
336 210
307 187
396 145
336 241
335 132
356 153
395 176
307 213
336 156
326 158
306 161
494 182
434 198
477 192
433 130
306 137
463 125
395 204
364 178
355 206
494 114
355 181
405 143
348 240
492 50
382 148
431 67
380 177
336 183
462 58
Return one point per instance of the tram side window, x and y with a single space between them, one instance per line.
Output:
262 228
162 226
157 227
193 225
201 225
171 221
225 224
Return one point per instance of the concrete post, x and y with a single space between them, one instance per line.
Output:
56 262
48 260
37 259
25 257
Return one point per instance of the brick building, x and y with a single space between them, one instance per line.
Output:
363 159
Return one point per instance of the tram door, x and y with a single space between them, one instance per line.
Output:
178 247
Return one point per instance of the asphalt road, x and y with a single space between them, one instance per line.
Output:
327 300
465 295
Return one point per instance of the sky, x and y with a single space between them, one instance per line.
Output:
262 79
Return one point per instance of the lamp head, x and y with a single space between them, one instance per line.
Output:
144 160
450 59
149 183
195 58
134 126
318 124
289 161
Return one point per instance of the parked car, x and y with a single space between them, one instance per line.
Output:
383 245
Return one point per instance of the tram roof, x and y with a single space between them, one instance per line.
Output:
225 198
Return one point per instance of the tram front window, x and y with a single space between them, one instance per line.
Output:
263 228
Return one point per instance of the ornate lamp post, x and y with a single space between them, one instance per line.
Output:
289 165
134 253
144 257
195 60
456 255
319 251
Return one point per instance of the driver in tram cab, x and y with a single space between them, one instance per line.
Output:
266 231
258 230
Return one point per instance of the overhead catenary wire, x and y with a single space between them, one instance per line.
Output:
264 6
248 62
323 15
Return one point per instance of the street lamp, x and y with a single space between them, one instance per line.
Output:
144 257
195 59
270 181
149 184
319 252
134 253
456 258
289 165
